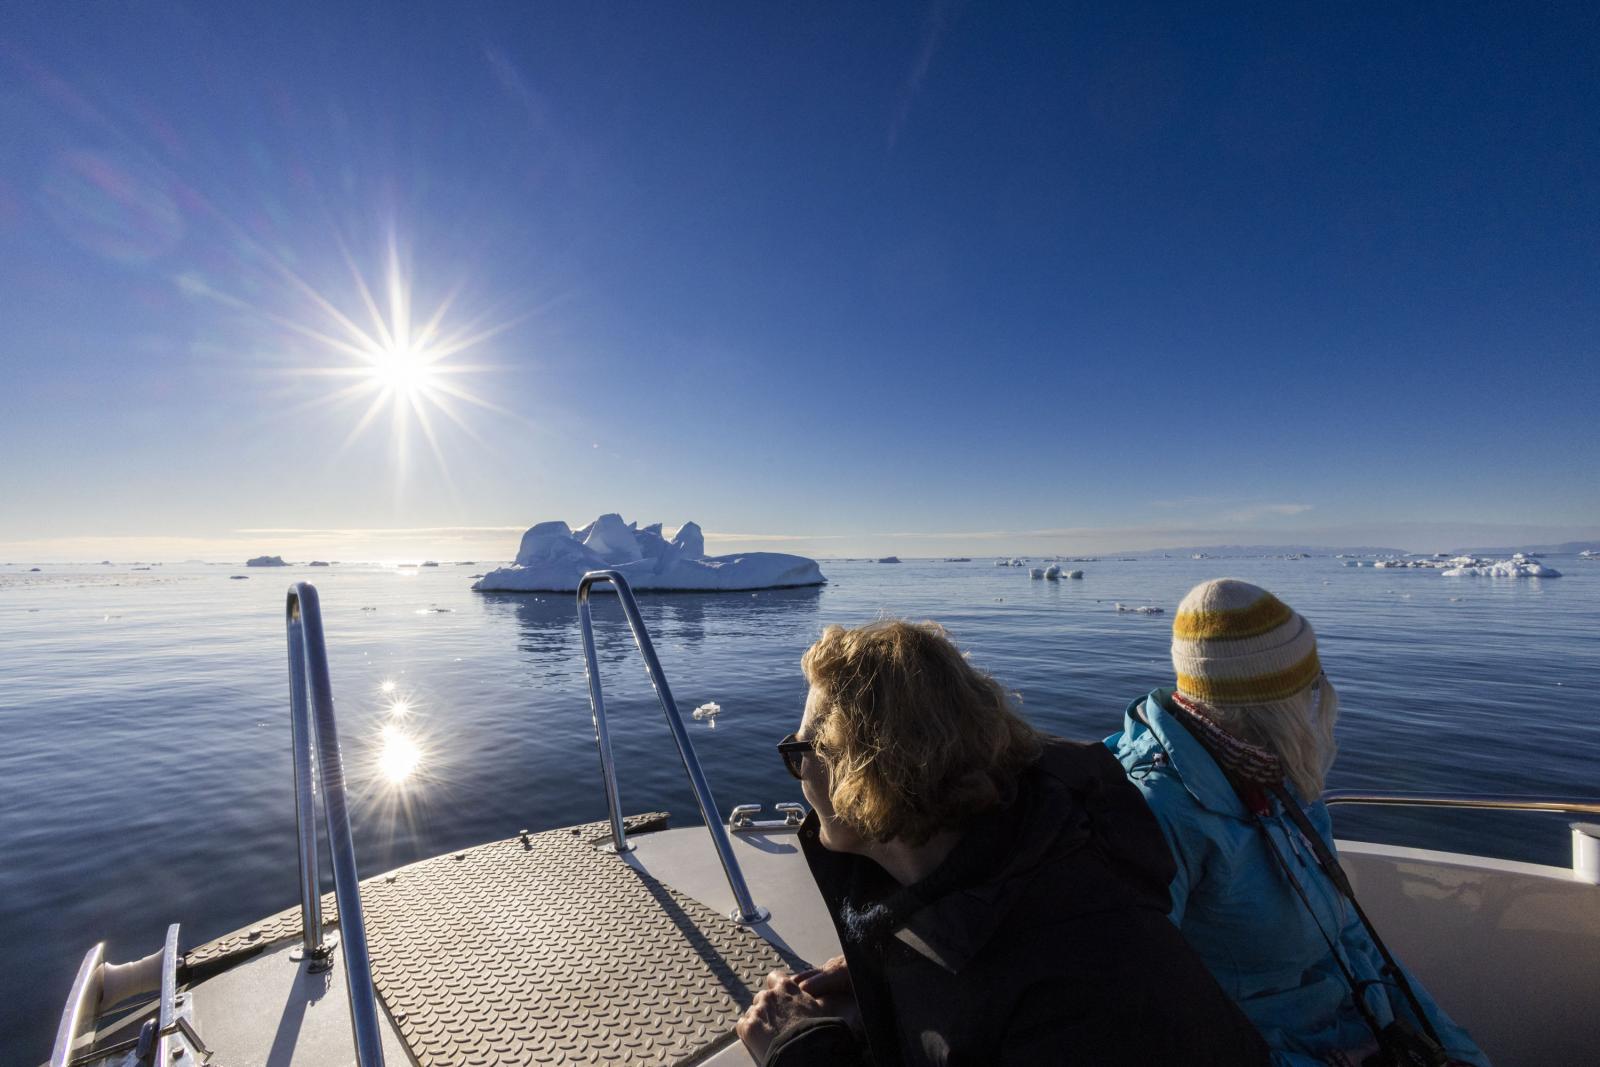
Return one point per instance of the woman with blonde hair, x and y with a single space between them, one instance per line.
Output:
1000 895
1232 761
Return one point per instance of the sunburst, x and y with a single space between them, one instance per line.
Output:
410 370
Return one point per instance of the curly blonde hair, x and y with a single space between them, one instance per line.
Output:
915 737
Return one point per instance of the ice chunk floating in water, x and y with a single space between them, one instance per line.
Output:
553 557
1518 566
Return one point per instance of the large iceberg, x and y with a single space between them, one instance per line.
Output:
553 557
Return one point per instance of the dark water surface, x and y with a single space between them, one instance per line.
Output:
145 776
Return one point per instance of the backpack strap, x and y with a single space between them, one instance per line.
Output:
1335 873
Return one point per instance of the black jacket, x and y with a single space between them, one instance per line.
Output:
1042 939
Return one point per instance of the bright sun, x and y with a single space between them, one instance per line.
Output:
403 372
406 369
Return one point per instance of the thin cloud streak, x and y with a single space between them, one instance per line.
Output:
374 531
940 17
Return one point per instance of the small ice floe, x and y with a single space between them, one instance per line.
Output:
1052 573
1518 566
708 713
889 559
434 611
1137 609
1589 553
1074 574
239 577
1036 572
369 609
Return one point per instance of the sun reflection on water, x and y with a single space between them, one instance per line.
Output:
400 755
404 769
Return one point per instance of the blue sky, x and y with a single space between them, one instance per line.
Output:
840 278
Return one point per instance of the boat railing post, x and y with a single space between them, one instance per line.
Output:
597 711
316 689
1586 852
745 909
305 815
82 1005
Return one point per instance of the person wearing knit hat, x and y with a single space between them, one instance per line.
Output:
1246 729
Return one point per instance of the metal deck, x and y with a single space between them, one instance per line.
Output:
541 950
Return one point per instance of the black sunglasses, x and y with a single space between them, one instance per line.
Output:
794 752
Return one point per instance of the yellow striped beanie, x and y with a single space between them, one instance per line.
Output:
1235 643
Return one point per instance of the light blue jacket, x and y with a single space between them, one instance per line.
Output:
1237 909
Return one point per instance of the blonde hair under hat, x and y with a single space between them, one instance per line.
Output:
1235 644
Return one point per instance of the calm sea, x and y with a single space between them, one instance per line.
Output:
146 770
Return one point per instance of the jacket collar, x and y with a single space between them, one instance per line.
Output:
1076 796
1195 768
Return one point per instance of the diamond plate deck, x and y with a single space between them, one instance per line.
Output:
544 951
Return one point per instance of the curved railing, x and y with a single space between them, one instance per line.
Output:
82 1003
1585 836
1481 801
311 708
745 908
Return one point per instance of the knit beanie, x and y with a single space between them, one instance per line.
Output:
1235 643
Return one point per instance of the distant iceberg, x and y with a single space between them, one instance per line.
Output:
1518 566
266 561
889 559
553 557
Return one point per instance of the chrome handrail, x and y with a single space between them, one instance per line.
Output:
745 908
1482 801
82 1004
167 1006
311 704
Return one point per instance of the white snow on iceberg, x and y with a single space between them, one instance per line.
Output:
553 557
1518 566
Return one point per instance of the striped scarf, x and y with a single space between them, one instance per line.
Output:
1244 763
